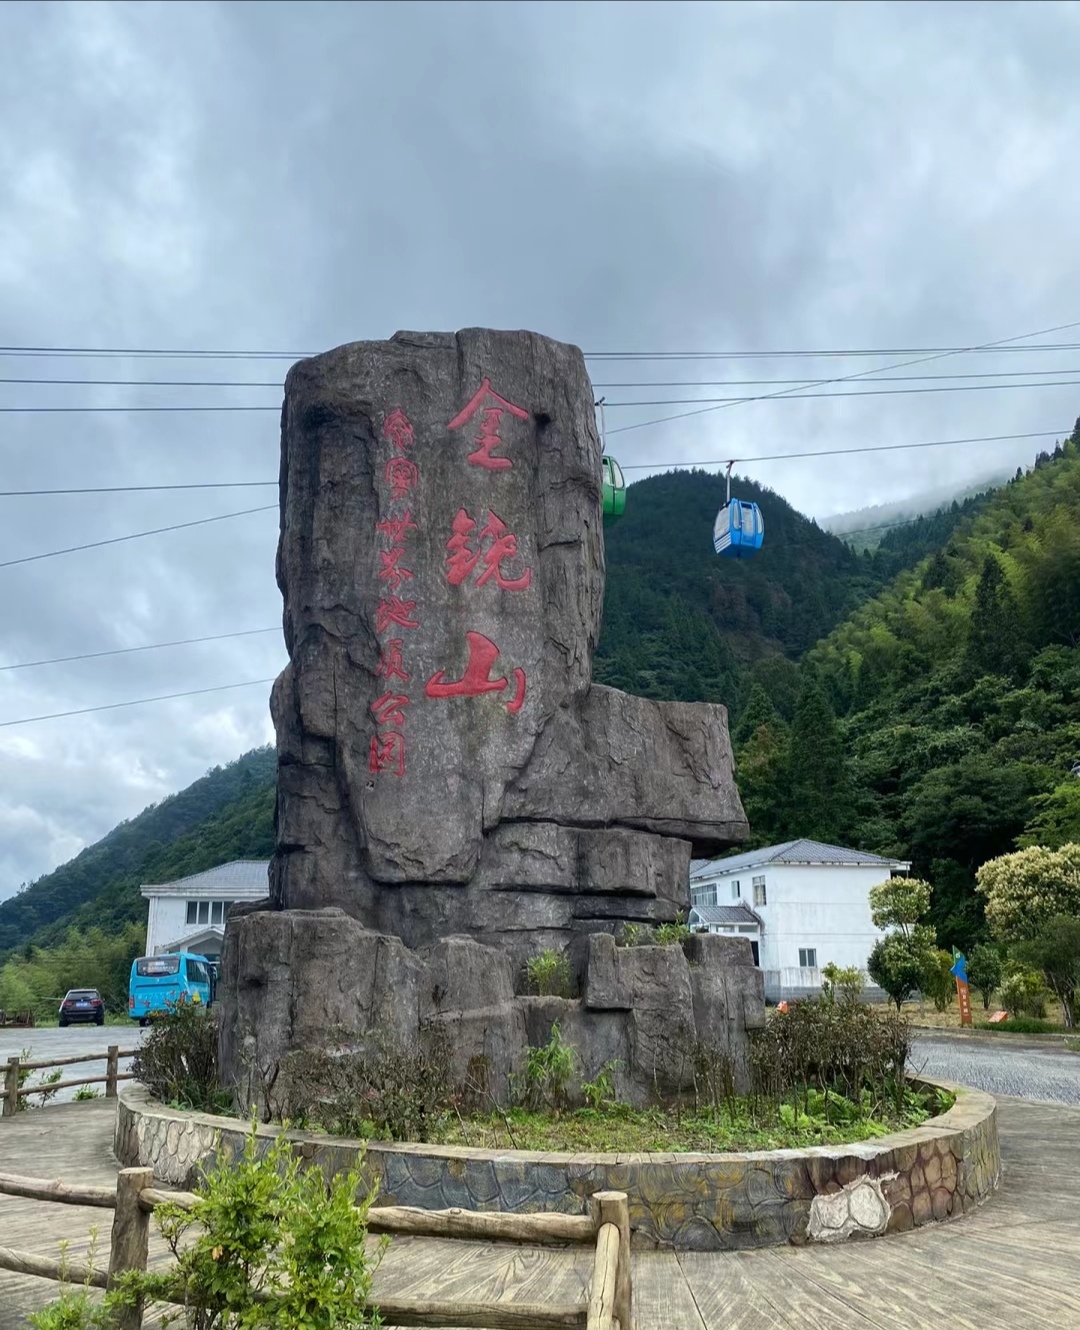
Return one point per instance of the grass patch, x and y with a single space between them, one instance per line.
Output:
1022 1025
618 1127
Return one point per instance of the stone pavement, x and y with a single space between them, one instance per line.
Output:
1008 1265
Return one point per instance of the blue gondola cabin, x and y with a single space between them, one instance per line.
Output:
738 531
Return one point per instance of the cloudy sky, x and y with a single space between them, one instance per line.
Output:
630 177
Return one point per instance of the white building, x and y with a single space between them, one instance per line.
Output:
802 904
189 914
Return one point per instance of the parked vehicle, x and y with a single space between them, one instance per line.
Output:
160 982
82 1004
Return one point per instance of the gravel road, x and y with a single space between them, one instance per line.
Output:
1042 1071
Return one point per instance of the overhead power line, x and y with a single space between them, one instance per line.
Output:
182 353
793 394
134 702
127 651
843 452
1064 432
845 378
642 383
135 535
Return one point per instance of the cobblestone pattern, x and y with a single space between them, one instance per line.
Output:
692 1202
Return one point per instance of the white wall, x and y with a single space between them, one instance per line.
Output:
824 906
166 922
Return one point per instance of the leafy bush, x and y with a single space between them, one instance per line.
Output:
549 973
548 1071
1023 993
897 963
386 1091
669 935
268 1244
1055 953
985 969
600 1091
85 1092
938 982
838 1048
843 982
178 1061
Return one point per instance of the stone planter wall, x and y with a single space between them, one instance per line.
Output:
693 1202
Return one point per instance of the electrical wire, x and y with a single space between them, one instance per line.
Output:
127 651
180 353
135 702
794 394
662 383
846 378
135 535
843 452
629 466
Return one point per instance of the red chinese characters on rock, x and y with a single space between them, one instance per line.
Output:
402 475
397 430
387 753
464 558
477 679
488 437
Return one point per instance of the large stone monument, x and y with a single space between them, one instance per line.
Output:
454 793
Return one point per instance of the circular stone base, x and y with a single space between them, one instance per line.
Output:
691 1202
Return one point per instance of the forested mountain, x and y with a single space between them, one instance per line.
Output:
681 624
227 814
941 721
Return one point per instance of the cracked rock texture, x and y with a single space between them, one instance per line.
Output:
445 765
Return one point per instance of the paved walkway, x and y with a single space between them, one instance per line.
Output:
1010 1264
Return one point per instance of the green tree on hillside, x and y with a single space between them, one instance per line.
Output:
993 631
817 779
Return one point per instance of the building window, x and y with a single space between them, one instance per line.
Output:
759 891
703 895
204 912
192 912
736 891
808 958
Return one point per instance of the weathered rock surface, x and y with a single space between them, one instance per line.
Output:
643 1010
447 771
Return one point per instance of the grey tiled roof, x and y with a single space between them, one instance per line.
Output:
792 852
247 877
725 914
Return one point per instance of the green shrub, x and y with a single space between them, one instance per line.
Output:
1023 1025
938 982
268 1245
85 1092
668 935
548 1071
600 1091
387 1091
178 1062
843 983
549 973
1023 993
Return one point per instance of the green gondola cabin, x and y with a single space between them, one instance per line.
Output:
614 489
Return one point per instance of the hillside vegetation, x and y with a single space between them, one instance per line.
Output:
227 814
681 624
940 722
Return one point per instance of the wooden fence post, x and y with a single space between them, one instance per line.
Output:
11 1087
612 1207
130 1242
111 1070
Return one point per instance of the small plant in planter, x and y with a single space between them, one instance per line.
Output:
549 973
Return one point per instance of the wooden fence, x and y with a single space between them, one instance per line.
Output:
21 1020
15 1069
606 1228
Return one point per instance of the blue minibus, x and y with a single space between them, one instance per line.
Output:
160 982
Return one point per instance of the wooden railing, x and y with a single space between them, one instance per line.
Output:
606 1228
15 1068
